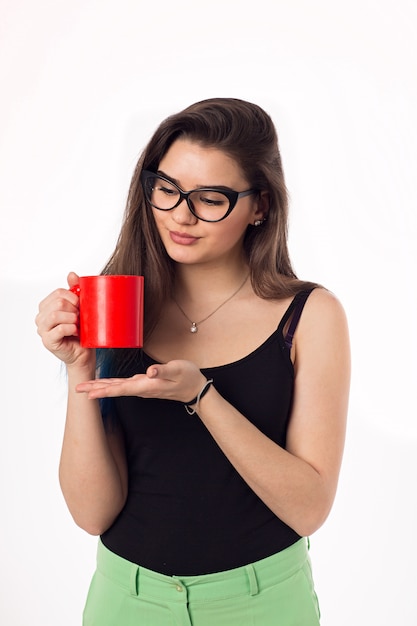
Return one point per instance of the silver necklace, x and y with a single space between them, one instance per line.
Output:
194 325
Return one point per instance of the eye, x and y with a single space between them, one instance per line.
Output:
165 188
212 198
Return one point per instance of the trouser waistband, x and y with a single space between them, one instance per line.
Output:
245 580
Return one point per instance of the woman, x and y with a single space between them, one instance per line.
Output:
205 460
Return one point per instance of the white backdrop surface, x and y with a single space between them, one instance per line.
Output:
83 86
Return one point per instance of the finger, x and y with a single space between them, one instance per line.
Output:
59 318
111 390
97 383
51 309
138 385
59 299
58 343
106 387
55 319
60 332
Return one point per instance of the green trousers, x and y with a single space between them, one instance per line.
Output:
276 591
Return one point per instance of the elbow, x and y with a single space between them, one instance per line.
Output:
95 531
94 516
92 526
309 525
311 519
313 509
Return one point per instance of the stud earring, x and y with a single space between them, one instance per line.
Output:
258 222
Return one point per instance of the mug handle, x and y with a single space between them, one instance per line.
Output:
76 289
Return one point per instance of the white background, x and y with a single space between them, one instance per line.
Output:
84 83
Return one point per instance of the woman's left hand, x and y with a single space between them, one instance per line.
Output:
176 380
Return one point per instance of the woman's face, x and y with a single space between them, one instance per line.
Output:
186 238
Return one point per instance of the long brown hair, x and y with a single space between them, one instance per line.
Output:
246 133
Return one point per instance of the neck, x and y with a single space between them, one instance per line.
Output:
199 305
208 284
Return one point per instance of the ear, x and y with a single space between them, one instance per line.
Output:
261 208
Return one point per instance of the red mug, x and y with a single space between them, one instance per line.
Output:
111 311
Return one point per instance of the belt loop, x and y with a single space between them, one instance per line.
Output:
134 580
253 583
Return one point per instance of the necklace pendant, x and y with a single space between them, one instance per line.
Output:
194 327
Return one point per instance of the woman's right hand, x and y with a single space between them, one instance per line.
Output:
57 324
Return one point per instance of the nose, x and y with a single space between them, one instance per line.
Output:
182 214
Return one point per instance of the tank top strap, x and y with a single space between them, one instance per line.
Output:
294 312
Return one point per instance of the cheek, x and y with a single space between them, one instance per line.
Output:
159 219
238 224
233 234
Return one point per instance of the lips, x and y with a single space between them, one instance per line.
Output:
182 238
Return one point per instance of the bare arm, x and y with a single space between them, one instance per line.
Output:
92 471
299 483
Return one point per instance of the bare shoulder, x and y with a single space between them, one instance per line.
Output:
323 326
323 307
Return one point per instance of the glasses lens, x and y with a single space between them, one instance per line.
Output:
209 204
161 193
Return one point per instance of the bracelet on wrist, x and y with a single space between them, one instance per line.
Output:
197 399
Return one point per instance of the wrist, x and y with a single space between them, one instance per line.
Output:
81 372
192 406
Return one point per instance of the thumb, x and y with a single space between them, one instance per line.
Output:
72 279
152 372
162 371
168 371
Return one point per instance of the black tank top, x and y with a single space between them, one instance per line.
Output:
188 511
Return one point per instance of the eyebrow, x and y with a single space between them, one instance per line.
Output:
174 180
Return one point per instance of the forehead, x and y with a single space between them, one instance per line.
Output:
193 164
